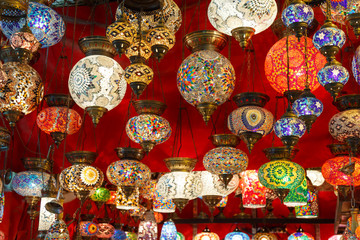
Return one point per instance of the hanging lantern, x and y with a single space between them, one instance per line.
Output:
46 218
81 177
87 227
22 93
276 65
300 235
333 78
237 235
289 128
335 237
5 137
206 79
225 160
251 121
100 196
297 16
280 174
315 176
167 11
96 82
121 34
253 192
353 17
311 209
59 119
339 9
15 9
206 234
214 189
262 235
46 24
297 196
308 108
127 203
137 55
57 231
168 231
148 191
161 40
162 205
180 236
242 19
356 65
148 128
131 236
328 40
106 230
180 185
333 174
112 198
148 227
138 75
119 234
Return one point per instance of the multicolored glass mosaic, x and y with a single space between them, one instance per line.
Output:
101 194
301 236
311 209
24 40
289 126
345 124
305 106
339 9
356 65
253 192
139 72
237 236
332 174
168 231
46 218
118 235
329 36
297 196
133 49
206 236
214 186
106 230
163 205
121 30
58 231
88 228
161 35
297 13
30 183
148 227
180 236
127 203
333 74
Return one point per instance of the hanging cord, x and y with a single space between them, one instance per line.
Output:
191 131
306 62
193 17
275 117
81 132
126 119
288 68
161 83
177 137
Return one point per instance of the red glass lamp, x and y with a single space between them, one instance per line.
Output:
253 192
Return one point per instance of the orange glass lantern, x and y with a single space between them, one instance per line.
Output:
253 192
333 175
276 65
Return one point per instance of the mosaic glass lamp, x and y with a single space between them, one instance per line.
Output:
148 191
169 12
300 235
332 173
253 192
297 16
356 65
46 24
148 227
161 40
345 126
162 205
100 196
333 77
289 128
148 128
106 230
308 108
225 160
180 185
315 176
206 234
139 51
58 120
29 183
206 79
58 231
237 18
96 82
88 228
22 93
339 9
281 174
12 16
119 233
138 75
81 178
353 18
127 203
237 235
311 209
297 196
131 236
180 236
263 235
46 218
276 65
251 121
335 237
168 231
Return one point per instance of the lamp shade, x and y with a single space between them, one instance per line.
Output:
122 31
97 80
297 13
356 65
148 227
228 15
329 36
213 185
307 106
168 231
30 183
106 230
57 231
126 203
59 119
331 170
88 228
23 90
289 125
333 74
345 124
139 72
101 194
118 235
24 40
133 51
46 218
276 65
311 209
112 198
237 235
339 9
148 191
10 26
162 205
300 235
131 236
206 235
264 236
253 192
297 196
45 23
161 35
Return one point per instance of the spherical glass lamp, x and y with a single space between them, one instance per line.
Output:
253 192
23 91
225 160
345 125
300 235
105 231
46 24
58 231
119 234
311 209
264 236
251 121
276 65
148 227
161 40
96 82
138 76
237 235
121 34
356 65
297 196
206 234
308 108
242 17
135 55
88 228
339 9
168 231
101 194
289 128
30 183
332 173
131 236
148 128
298 17
12 16
333 77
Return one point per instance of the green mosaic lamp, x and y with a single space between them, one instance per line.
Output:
298 196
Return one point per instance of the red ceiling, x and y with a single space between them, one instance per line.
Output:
110 131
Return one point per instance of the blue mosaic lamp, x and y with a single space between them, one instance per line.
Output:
119 234
356 65
12 16
46 24
333 77
168 231
237 235
298 17
289 128
300 235
307 107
